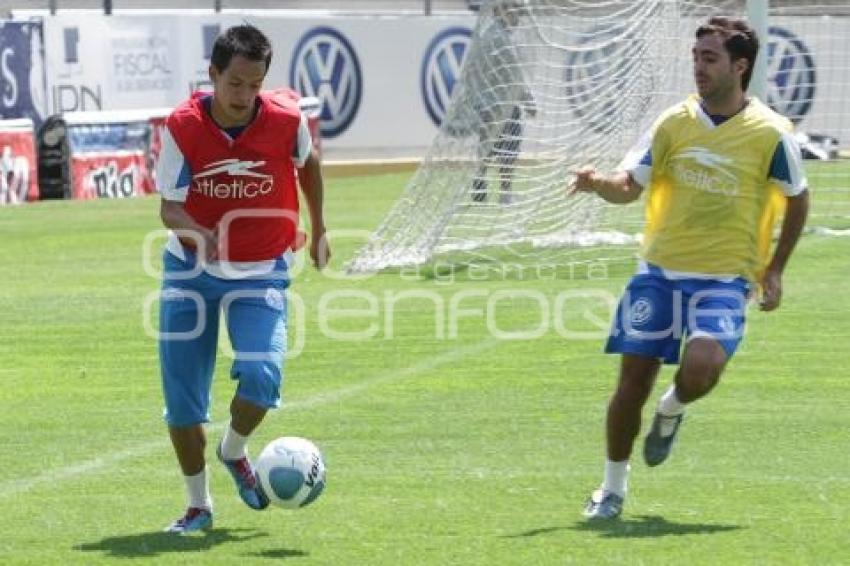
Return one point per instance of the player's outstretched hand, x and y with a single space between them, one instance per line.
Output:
584 181
320 251
771 286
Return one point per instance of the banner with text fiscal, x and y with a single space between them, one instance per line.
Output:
371 74
384 82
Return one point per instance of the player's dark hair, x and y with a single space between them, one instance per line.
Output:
739 39
244 40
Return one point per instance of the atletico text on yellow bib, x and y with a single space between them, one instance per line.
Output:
711 208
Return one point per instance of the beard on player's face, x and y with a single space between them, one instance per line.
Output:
716 75
717 86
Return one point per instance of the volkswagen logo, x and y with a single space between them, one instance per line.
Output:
790 74
441 70
596 75
641 311
325 65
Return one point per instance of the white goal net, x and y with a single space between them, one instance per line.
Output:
550 85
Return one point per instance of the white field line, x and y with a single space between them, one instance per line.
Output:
100 463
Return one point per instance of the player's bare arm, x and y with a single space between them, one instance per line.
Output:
792 226
175 217
618 188
312 185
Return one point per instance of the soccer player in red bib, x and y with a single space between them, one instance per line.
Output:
227 176
718 169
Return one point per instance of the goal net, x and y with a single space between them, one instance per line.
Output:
550 85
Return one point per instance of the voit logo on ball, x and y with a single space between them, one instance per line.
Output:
325 65
790 74
441 67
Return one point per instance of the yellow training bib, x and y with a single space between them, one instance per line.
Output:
711 208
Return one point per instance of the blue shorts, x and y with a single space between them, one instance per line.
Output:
655 313
191 304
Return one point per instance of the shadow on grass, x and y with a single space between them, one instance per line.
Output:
156 543
643 526
279 553
536 532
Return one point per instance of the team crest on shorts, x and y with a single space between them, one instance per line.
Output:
274 299
641 311
727 325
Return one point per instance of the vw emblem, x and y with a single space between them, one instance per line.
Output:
727 326
596 73
790 74
325 65
441 70
641 311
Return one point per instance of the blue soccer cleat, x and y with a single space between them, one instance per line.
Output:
603 505
246 480
195 519
659 441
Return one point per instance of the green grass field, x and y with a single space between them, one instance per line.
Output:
443 447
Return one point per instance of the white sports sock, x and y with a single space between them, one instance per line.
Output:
616 477
198 489
669 405
233 444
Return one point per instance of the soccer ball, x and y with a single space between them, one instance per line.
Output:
291 471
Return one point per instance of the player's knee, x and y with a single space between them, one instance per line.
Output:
259 382
704 356
634 388
702 366
638 371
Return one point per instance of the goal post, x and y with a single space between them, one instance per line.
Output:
550 85
757 16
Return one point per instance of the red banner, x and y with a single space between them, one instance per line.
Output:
119 174
18 166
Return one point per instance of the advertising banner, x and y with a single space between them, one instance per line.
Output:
109 160
115 174
98 62
18 164
366 72
22 71
384 83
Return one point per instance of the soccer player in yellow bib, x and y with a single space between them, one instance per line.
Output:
719 168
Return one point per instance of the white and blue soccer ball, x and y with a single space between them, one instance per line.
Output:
291 471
